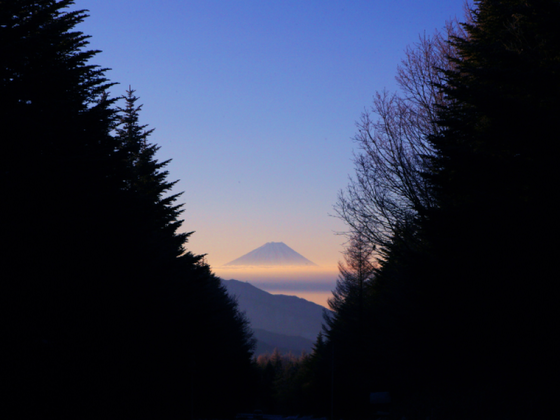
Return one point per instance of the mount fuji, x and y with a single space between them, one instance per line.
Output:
272 254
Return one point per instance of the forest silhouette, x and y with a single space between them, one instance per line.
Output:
111 316
445 300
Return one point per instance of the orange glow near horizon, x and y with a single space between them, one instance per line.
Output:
280 272
320 298
310 283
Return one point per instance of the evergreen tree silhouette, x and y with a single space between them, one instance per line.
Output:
181 288
108 315
465 306
62 178
493 174
146 184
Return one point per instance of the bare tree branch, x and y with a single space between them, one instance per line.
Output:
389 190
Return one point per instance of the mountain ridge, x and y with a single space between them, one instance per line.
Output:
278 321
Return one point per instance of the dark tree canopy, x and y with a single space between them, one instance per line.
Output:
494 179
461 318
109 315
146 182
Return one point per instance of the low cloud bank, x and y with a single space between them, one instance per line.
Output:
311 283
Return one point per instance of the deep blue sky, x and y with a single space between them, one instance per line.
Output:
256 103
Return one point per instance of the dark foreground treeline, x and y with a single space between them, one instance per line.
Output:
448 294
106 315
448 291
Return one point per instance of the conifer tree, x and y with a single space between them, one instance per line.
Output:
489 297
61 177
338 372
463 309
146 180
180 287
108 315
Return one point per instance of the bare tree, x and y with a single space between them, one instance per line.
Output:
389 189
356 275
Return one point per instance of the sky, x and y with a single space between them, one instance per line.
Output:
256 102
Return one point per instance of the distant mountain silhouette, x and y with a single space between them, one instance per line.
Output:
272 254
288 323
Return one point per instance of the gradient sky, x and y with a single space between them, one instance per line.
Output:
255 102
